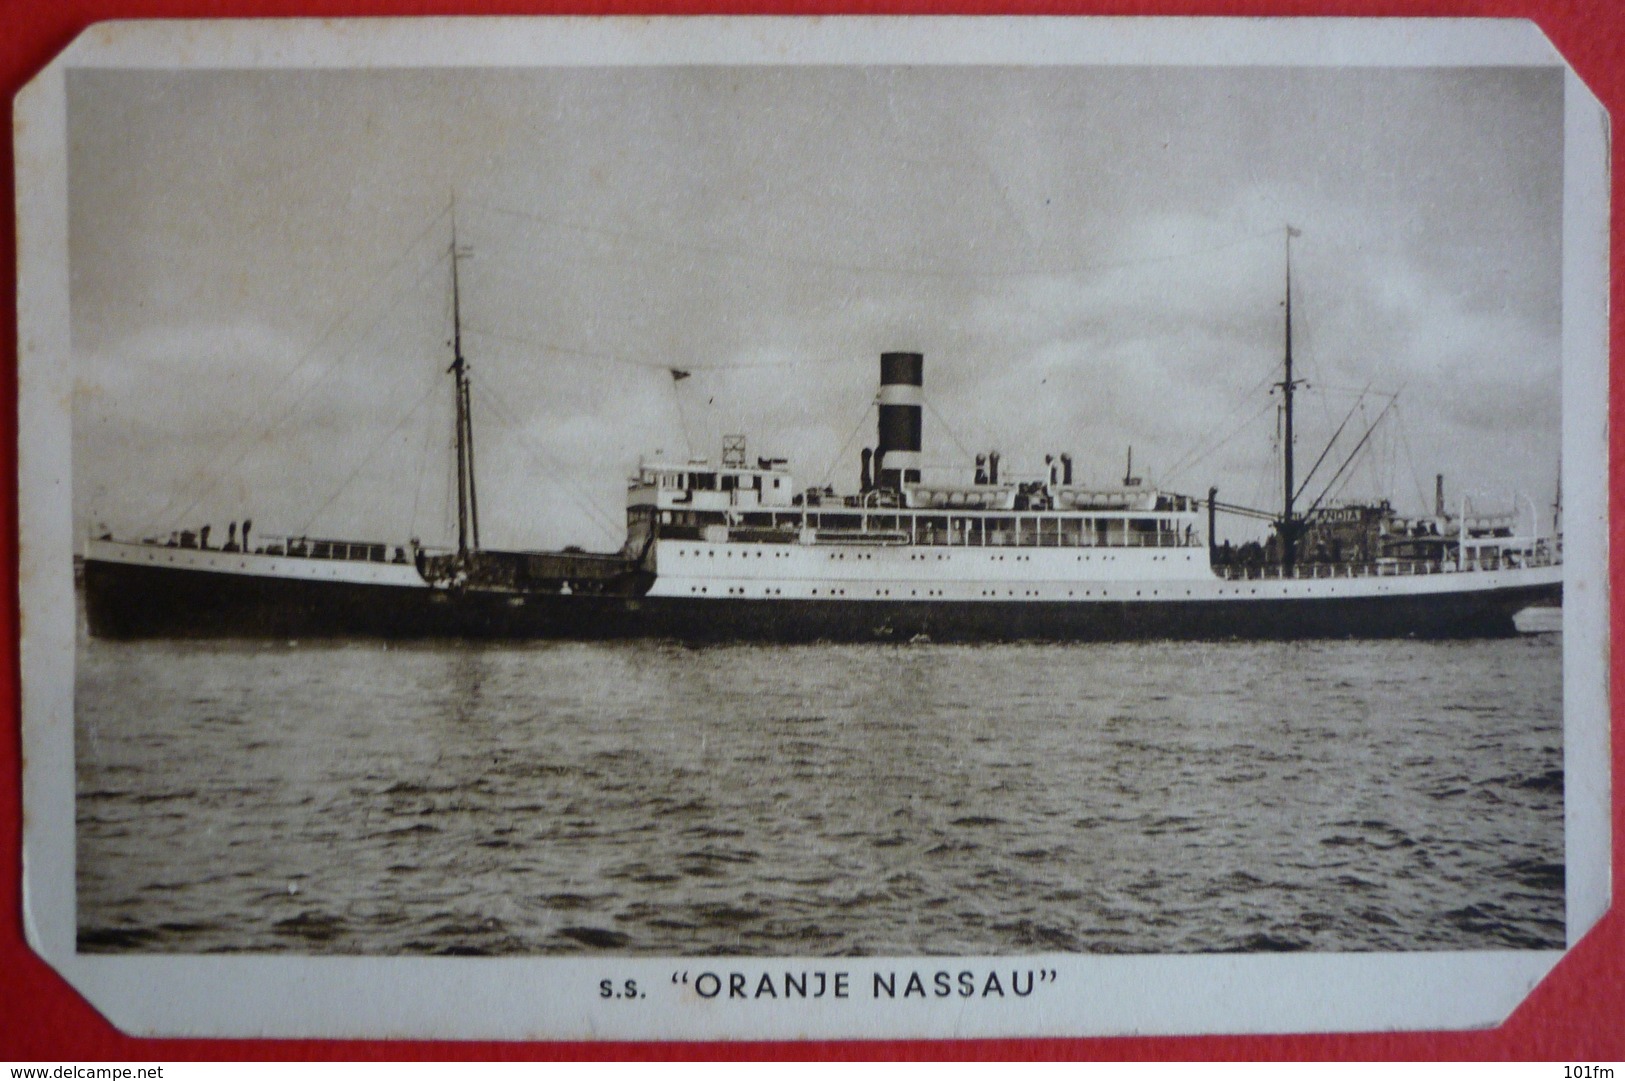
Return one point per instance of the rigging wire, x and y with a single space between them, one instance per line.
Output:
595 514
448 499
960 443
1220 445
1197 451
1410 458
1381 465
682 417
1328 449
600 517
423 470
287 377
1354 458
647 363
1353 454
623 237
1272 464
248 445
1243 512
304 530
1329 389
862 420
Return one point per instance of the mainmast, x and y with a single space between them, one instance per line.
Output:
1557 503
1289 525
468 505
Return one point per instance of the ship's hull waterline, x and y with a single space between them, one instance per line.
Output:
131 601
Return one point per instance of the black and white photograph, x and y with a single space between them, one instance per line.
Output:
723 523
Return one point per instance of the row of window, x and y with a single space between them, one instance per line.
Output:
1023 531
834 591
743 552
904 521
714 482
995 594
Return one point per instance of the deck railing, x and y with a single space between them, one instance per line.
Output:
1388 568
297 547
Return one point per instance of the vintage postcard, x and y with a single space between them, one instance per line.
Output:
779 528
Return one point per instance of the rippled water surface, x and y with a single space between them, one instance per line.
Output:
355 797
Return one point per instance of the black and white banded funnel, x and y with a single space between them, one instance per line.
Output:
897 458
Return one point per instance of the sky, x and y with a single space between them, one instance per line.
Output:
1090 258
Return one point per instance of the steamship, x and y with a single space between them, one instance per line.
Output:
735 550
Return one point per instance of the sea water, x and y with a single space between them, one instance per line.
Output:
359 797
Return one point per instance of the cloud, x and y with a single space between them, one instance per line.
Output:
1089 258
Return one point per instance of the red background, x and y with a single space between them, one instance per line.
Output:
1576 1014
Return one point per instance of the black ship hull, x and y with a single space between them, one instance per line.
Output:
128 601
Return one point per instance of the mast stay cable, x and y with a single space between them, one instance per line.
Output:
1410 458
332 328
1220 445
682 418
862 419
599 518
248 444
1329 444
960 443
304 529
1351 457
623 237
423 469
647 363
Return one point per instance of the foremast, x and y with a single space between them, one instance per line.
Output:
1289 524
511 574
468 504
